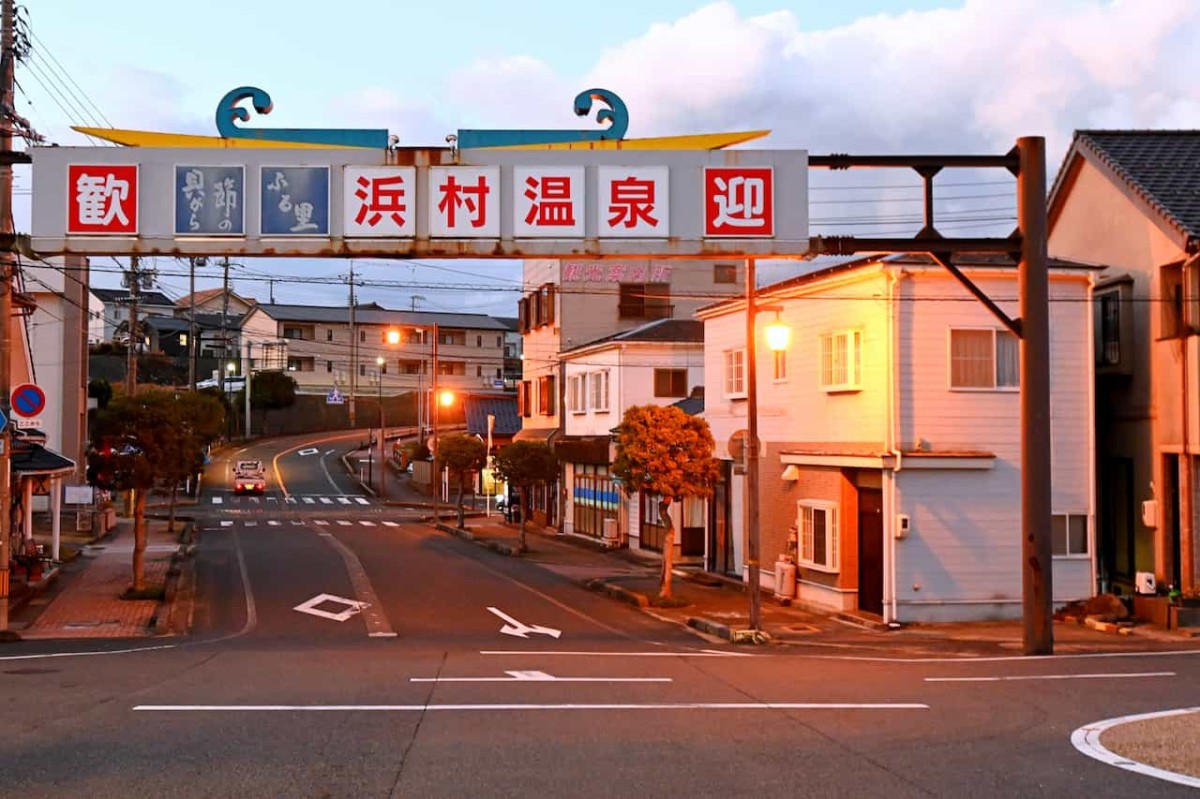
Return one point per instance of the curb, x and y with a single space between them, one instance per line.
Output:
618 592
179 591
467 535
711 627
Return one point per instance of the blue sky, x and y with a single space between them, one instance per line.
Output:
852 76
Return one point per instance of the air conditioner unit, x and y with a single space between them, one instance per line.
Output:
1145 583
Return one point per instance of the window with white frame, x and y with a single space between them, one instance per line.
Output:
841 361
1069 534
735 373
817 522
983 358
577 394
599 383
780 365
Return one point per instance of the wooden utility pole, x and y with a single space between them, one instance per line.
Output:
134 277
7 269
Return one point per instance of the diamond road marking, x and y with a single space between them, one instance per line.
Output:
218 500
362 500
352 607
326 501
308 500
344 500
366 523
343 522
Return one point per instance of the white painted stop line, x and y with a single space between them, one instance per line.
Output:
522 708
1023 677
537 676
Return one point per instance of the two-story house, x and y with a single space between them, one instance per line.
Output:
890 430
1129 201
658 363
569 303
117 306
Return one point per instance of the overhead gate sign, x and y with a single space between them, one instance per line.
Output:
419 202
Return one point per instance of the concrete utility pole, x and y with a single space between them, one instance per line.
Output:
353 355
435 411
7 268
247 374
134 277
751 501
193 263
1033 279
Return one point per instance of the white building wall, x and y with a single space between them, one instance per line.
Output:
962 557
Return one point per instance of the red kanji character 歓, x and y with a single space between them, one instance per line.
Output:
457 195
631 200
551 201
381 196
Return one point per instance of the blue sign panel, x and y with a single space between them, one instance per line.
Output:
295 200
208 200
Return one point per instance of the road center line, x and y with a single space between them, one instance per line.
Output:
520 708
372 612
1007 678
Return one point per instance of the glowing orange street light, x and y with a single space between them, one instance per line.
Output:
446 398
392 336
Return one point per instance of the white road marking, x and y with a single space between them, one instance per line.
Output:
274 523
291 500
702 653
308 500
523 708
343 522
309 451
1087 740
362 500
329 452
227 523
321 522
218 500
366 523
85 654
297 523
1053 677
353 607
272 499
538 676
254 500
326 501
251 524
516 628
391 524
376 622
344 500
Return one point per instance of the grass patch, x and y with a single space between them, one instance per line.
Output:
156 592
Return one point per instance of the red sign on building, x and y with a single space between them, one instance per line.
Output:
102 199
739 201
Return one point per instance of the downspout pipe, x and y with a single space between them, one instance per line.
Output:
892 436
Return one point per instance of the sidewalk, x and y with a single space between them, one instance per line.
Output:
83 601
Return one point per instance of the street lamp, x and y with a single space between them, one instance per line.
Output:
229 367
777 341
379 363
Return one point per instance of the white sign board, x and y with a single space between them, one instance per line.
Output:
420 202
77 495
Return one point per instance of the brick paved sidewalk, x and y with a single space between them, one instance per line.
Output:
86 604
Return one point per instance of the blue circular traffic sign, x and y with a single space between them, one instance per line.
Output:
27 400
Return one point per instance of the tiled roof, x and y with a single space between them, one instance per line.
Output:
681 331
375 315
477 408
1161 166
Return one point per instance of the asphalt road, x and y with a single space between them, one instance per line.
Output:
471 674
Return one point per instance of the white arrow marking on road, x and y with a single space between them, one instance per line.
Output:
514 627
309 451
538 676
310 607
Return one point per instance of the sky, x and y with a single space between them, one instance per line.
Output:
857 76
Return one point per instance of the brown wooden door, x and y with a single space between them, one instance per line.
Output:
870 550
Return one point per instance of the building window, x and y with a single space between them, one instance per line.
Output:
383 368
301 364
478 371
841 361
599 381
329 366
983 359
780 365
294 333
577 394
670 382
479 341
1069 534
735 374
818 525
1110 329
362 335
525 398
644 301
725 273
362 370
329 334
499 342
547 396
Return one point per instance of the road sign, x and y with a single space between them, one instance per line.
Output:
27 400
334 397
3 421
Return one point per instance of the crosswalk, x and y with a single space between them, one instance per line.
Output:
254 523
244 500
